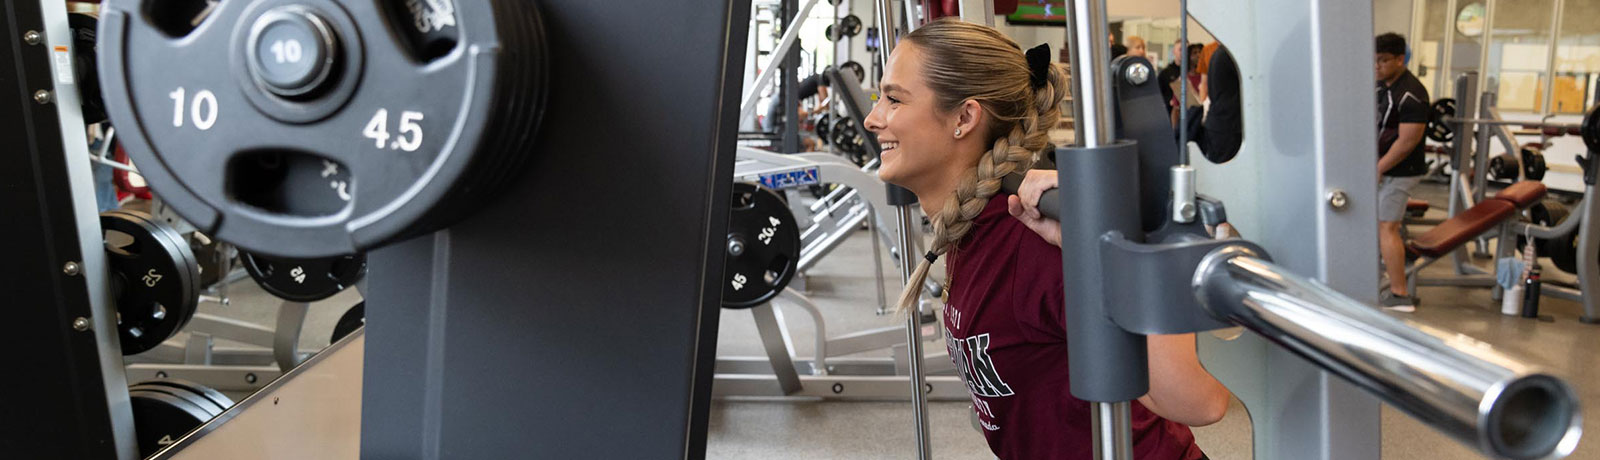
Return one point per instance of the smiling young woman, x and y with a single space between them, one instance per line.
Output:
962 107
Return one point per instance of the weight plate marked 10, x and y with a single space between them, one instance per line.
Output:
315 128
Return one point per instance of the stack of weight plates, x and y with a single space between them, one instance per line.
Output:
167 409
155 279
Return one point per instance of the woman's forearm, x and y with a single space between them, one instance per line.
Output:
1180 388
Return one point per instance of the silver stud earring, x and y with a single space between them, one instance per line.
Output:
958 132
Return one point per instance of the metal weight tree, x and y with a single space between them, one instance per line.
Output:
1131 272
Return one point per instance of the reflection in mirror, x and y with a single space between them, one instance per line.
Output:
1470 20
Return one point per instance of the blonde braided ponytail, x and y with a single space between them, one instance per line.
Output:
972 62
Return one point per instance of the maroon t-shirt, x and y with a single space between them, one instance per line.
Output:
1007 336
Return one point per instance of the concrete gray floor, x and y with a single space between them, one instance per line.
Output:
842 285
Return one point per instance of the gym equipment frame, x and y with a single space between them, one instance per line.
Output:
1129 282
59 295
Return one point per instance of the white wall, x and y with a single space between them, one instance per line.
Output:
1031 36
1391 16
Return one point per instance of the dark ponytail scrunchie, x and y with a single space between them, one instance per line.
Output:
1039 65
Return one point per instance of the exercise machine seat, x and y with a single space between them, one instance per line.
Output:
1416 205
1522 194
1462 228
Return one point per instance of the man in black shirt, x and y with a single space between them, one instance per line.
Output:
1402 114
815 86
1171 72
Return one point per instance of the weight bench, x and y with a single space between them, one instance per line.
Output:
1416 208
1491 213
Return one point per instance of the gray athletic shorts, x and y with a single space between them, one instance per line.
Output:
1392 195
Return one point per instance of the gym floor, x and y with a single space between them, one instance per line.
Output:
842 286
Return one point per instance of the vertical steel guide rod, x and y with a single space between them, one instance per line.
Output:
873 229
905 221
1092 112
1183 176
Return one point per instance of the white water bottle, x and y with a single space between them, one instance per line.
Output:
1511 301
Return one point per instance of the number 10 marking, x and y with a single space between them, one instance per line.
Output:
204 103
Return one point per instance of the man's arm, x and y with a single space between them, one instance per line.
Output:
1410 135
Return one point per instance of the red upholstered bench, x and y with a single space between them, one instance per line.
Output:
1523 194
1462 228
1478 219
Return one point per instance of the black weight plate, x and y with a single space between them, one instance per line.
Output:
855 68
1503 167
209 256
1591 129
850 26
1546 213
391 144
160 418
1437 129
154 277
84 28
1563 252
1533 165
823 127
763 247
304 280
352 319
837 129
148 315
847 139
209 398
828 33
206 405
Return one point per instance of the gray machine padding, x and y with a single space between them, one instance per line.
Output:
599 284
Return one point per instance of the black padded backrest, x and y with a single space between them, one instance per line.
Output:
856 103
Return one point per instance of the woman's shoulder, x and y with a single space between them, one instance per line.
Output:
997 233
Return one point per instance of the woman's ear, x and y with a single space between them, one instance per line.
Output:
969 116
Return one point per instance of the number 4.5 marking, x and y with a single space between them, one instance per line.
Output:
410 138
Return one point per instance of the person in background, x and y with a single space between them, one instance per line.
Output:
1136 46
1198 56
813 95
1192 54
1117 49
1169 74
1402 113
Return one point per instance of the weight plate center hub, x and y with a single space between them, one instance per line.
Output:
296 61
292 50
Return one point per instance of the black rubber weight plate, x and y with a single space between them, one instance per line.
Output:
1591 129
154 276
855 68
396 137
1437 129
763 247
208 397
160 418
352 319
304 280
